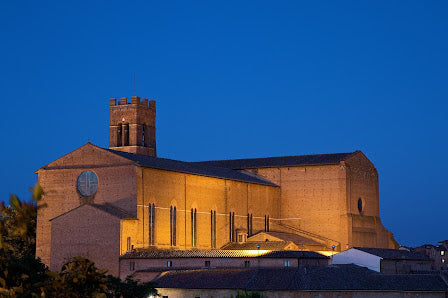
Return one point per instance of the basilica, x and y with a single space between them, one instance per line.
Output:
103 203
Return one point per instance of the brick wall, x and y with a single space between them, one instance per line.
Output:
88 232
117 185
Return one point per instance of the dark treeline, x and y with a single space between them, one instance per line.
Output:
22 275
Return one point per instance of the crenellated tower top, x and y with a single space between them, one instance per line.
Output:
133 125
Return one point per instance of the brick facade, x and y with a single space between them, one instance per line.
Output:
315 201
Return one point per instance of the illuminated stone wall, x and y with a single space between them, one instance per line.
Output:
323 200
186 192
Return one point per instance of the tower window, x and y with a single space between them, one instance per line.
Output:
194 228
360 205
143 135
126 134
119 135
246 264
152 223
173 226
213 228
131 266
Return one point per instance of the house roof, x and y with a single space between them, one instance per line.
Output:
252 245
394 254
172 254
281 161
108 208
115 211
334 277
297 239
191 168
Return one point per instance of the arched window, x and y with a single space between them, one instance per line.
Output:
173 226
213 228
119 135
266 223
152 223
143 135
194 228
126 134
231 226
249 224
128 244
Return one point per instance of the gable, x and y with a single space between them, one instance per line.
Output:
360 160
88 156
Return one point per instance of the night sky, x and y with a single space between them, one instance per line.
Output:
238 79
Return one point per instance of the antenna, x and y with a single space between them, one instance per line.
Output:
134 86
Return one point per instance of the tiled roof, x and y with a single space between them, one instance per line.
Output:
108 208
252 245
393 254
172 254
115 211
332 278
191 168
297 239
299 160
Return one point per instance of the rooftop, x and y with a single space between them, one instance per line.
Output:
334 277
191 168
394 254
269 162
171 254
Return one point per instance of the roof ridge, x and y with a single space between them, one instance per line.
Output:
281 156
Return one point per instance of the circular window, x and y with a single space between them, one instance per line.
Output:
87 183
360 205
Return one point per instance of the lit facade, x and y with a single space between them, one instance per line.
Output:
102 203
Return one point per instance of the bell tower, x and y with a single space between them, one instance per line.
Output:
133 125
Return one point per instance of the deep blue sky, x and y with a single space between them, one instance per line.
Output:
238 79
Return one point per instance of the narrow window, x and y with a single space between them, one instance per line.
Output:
173 226
169 264
193 228
126 134
131 266
213 228
119 135
143 135
286 263
207 264
152 223
246 264
232 226
249 224
266 223
128 244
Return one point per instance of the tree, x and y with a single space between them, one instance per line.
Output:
22 275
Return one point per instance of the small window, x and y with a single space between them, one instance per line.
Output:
128 244
246 264
442 253
443 260
286 263
169 264
132 266
207 264
360 205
